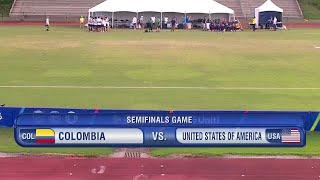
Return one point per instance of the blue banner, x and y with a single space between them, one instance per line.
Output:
311 120
120 128
162 119
160 137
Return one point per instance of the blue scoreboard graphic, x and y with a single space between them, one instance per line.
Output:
120 128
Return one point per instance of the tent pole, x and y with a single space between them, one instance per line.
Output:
112 16
161 20
256 15
185 18
137 26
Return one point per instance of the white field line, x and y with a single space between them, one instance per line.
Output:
163 87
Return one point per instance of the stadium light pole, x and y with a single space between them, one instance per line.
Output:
137 20
185 21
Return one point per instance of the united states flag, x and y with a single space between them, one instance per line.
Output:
290 136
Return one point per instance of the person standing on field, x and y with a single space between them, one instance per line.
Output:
107 23
104 25
158 24
275 21
47 24
253 24
134 22
153 20
81 22
173 24
204 24
141 21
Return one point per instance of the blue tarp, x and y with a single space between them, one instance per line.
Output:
113 117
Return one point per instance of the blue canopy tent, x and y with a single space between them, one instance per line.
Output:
267 11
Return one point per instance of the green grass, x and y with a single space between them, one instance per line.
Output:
5 6
310 8
68 56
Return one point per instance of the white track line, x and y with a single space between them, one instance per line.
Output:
166 87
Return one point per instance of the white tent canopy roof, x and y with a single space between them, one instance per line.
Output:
269 6
178 6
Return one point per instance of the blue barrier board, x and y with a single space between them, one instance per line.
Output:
160 129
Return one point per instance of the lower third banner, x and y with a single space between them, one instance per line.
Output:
160 137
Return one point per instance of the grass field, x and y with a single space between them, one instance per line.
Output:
310 8
5 6
135 70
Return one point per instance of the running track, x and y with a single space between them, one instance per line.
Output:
40 168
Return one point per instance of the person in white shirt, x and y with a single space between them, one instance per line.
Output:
134 22
104 25
275 20
166 20
153 22
99 21
99 24
141 22
47 24
107 23
91 24
94 24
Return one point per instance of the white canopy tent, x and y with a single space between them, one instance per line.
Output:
267 6
162 6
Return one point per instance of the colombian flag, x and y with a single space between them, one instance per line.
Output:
45 136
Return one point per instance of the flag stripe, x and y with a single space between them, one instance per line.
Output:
45 137
291 136
45 141
44 132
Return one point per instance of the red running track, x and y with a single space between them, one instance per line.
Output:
47 168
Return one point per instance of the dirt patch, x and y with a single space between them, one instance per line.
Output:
131 153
